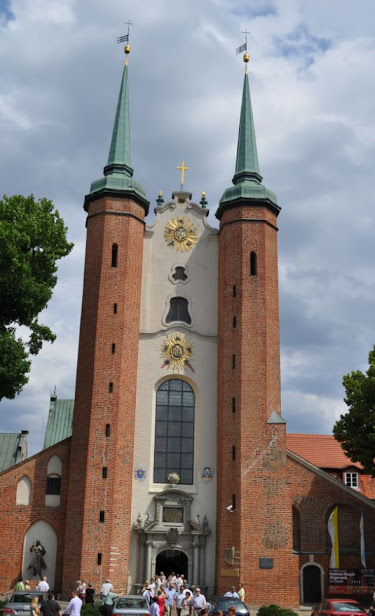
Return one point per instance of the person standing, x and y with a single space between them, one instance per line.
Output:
108 602
170 601
51 607
27 585
180 598
74 606
154 607
161 596
199 601
90 592
241 593
20 585
43 585
34 607
105 589
232 593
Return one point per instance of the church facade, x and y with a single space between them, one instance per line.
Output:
178 459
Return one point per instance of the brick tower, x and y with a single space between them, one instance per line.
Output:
97 530
254 513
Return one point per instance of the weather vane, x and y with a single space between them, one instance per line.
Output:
182 169
125 39
242 48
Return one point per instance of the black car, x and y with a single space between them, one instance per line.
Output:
222 604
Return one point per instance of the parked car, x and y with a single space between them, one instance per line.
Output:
131 605
333 607
222 604
19 603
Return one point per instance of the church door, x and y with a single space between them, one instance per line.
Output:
312 591
172 560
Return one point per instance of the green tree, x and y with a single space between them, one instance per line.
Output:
32 240
356 429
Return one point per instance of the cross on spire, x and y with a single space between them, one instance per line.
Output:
182 168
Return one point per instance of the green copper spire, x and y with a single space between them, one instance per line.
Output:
247 166
118 173
248 187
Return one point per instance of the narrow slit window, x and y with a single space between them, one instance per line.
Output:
113 348
114 308
101 516
104 472
178 310
234 321
234 290
233 502
233 361
253 263
233 405
233 452
108 429
114 255
99 559
110 388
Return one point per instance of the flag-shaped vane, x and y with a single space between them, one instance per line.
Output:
242 48
122 39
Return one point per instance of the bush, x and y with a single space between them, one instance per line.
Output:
89 610
275 610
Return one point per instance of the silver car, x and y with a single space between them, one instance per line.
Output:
19 603
131 605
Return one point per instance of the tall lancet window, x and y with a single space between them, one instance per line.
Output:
174 431
178 310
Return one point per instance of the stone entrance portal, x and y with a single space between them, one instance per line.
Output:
172 560
171 540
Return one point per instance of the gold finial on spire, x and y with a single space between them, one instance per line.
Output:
182 168
123 39
243 47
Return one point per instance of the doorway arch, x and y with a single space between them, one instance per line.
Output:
172 561
311 583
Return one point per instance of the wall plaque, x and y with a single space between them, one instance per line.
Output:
266 563
173 515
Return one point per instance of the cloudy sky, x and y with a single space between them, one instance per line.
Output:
313 93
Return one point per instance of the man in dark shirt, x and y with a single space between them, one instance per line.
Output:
90 591
51 607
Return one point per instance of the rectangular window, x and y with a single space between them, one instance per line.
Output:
234 290
113 348
105 472
101 516
99 559
110 388
234 322
233 361
108 429
233 502
233 405
351 480
114 308
233 452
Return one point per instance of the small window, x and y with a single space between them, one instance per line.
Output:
234 322
233 361
179 274
101 516
351 480
233 405
53 485
104 472
178 310
233 502
114 308
110 388
253 263
233 452
234 290
99 559
114 255
108 429
113 348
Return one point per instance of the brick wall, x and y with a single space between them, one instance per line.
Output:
249 371
120 221
17 519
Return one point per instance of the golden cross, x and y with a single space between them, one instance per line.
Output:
183 169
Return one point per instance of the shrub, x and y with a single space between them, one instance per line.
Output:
275 610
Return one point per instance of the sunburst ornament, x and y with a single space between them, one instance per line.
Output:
177 352
181 234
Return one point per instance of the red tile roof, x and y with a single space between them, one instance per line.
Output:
322 450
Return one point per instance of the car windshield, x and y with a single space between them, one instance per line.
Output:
223 605
131 603
347 607
26 598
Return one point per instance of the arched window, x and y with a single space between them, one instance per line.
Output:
178 310
253 263
23 495
114 255
53 484
174 431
